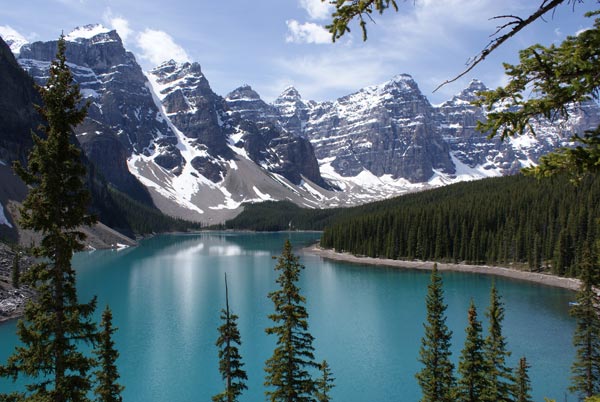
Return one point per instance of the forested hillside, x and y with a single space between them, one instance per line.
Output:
133 217
281 215
543 224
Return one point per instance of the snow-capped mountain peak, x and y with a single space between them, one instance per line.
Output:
244 92
86 32
171 76
289 94
290 103
13 39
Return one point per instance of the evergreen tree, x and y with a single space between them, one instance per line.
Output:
55 323
325 383
436 378
473 384
559 75
107 389
585 370
286 370
523 385
500 375
230 361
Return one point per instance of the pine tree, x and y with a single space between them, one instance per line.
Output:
286 370
55 323
325 383
585 370
473 384
436 379
523 385
107 389
499 376
230 361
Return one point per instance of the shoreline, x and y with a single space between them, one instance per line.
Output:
535 277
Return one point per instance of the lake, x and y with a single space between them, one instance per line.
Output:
167 293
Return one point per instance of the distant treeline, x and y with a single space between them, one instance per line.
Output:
544 224
275 216
131 217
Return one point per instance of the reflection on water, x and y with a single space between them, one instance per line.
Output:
167 293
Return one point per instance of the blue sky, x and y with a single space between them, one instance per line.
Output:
271 44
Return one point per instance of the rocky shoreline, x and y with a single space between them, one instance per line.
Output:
544 279
12 301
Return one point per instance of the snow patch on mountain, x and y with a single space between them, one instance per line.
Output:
261 195
3 219
13 39
463 173
86 32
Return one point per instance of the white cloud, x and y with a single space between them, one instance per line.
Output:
122 27
317 76
429 39
159 46
120 24
309 32
317 9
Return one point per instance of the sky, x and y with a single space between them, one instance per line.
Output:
272 44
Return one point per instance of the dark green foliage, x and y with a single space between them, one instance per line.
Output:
523 384
347 10
500 376
436 379
585 370
107 388
230 360
287 376
55 323
16 270
473 385
281 215
143 219
325 383
493 221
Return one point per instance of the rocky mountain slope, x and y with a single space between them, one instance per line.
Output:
167 139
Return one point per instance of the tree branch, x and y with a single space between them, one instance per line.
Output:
519 24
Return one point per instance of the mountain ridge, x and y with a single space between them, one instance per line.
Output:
166 138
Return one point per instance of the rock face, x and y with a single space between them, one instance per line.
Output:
268 143
197 112
18 120
387 129
390 132
219 128
121 104
457 119
17 114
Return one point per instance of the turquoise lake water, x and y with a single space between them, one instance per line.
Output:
166 296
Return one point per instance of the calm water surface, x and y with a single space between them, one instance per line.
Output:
166 295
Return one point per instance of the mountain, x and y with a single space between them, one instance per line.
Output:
268 143
388 139
166 139
385 130
479 156
18 120
17 114
122 117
